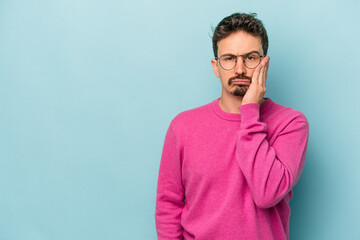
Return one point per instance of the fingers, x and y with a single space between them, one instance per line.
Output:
255 77
263 71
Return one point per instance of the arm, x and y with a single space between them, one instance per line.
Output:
170 191
271 171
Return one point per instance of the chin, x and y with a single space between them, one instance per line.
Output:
238 94
239 91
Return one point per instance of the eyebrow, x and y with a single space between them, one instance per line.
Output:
241 54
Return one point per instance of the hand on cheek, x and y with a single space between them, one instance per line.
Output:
257 88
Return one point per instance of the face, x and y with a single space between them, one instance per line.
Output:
237 80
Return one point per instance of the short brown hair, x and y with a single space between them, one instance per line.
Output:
240 22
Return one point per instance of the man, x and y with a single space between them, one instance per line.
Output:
228 168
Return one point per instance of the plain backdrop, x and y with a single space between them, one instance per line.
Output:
88 90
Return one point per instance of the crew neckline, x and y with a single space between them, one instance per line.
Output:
236 116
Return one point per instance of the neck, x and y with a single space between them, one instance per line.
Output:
231 104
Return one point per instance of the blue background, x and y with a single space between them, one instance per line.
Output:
88 90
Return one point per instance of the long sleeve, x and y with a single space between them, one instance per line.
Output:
170 190
271 171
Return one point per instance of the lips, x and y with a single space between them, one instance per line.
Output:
241 81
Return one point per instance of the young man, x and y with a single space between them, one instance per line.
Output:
228 168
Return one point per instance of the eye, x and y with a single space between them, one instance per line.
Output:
228 58
252 57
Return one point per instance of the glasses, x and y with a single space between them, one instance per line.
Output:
251 60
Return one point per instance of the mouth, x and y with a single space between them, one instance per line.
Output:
241 82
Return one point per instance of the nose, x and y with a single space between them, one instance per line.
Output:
240 66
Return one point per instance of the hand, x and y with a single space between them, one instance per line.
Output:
257 88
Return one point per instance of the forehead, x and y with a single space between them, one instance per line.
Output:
239 43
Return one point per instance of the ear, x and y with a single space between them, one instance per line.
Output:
215 67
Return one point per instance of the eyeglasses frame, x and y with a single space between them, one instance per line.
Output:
243 58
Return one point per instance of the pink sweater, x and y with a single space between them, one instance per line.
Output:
230 176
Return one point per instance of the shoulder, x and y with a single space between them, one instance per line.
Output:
281 117
191 116
283 112
188 121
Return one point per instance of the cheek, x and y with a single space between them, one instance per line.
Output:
250 72
225 76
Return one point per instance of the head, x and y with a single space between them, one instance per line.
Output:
238 34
